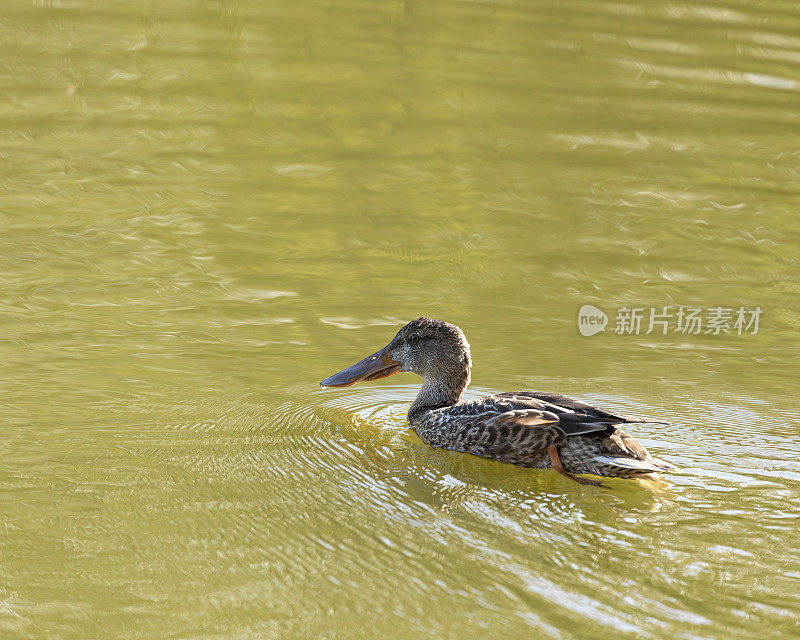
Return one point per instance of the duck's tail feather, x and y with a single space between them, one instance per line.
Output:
624 467
637 420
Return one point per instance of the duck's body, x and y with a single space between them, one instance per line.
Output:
529 429
520 428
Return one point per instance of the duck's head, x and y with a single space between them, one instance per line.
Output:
436 350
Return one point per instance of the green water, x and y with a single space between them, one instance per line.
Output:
207 207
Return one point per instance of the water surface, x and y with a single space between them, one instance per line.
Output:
207 207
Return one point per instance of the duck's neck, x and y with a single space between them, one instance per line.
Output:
438 392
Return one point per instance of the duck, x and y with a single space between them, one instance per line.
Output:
526 428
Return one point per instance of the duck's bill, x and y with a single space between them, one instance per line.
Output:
378 365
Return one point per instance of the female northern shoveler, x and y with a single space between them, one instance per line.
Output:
530 429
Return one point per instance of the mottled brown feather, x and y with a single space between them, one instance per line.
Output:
518 427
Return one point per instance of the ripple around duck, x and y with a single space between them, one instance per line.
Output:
534 511
329 494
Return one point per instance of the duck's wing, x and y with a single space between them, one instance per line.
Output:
555 401
575 420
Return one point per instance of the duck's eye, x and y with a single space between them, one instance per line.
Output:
414 338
